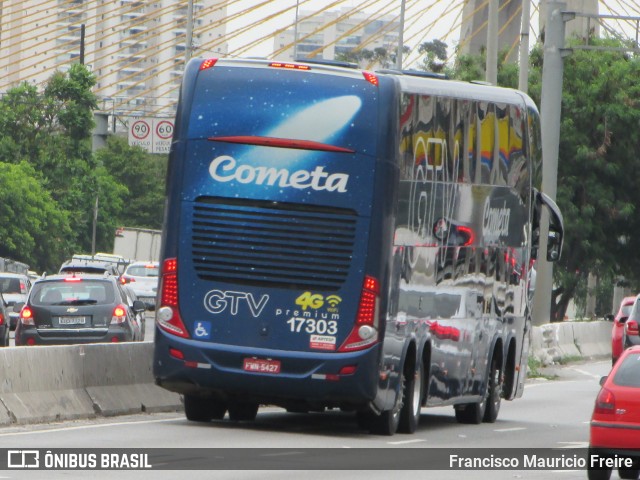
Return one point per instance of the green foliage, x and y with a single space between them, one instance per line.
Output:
51 182
33 229
142 177
379 57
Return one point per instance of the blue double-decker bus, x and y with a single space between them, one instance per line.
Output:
336 238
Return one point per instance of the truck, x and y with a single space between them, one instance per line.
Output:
140 244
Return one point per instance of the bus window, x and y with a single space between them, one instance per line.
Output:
501 150
486 114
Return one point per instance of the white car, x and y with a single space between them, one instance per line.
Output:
142 278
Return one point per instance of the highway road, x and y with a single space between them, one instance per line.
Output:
552 413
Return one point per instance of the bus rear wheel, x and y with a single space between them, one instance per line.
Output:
410 412
199 409
494 394
388 421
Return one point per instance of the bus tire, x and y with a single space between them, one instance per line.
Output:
599 473
388 421
472 413
243 411
410 412
628 473
199 409
494 393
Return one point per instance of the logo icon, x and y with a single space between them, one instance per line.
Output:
203 330
23 459
333 300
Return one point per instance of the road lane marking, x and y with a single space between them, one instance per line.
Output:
512 429
404 442
584 372
85 427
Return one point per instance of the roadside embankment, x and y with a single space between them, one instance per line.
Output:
55 383
557 342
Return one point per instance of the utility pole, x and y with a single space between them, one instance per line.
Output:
492 44
400 36
189 32
550 111
94 226
82 35
295 33
523 78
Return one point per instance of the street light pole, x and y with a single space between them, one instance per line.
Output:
400 36
550 111
189 33
295 33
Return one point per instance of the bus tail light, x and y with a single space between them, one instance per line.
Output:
208 63
372 78
168 315
365 331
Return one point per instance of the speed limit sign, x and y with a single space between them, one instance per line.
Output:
152 134
140 130
164 129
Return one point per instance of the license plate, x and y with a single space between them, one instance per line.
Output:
72 320
261 365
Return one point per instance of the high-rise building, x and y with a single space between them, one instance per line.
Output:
473 32
136 48
325 35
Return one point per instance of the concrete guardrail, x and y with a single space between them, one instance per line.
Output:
55 383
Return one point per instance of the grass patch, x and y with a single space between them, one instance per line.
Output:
569 359
535 367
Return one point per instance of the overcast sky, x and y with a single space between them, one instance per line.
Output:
425 20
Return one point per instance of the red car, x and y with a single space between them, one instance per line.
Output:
615 424
617 332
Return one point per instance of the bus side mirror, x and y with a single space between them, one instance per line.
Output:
554 246
556 225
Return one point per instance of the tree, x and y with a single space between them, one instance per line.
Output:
436 56
142 175
33 228
596 187
51 133
379 57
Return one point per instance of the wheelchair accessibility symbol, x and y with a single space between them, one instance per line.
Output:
203 330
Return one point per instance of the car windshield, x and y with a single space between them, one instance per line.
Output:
12 285
78 292
143 271
628 373
626 310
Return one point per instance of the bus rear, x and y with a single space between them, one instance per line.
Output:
273 256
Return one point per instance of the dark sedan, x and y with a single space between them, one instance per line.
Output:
77 308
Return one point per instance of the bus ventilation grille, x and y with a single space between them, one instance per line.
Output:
272 244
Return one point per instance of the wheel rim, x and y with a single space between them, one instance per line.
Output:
417 389
496 388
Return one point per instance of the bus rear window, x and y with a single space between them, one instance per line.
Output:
333 110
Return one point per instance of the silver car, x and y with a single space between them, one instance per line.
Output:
14 288
142 278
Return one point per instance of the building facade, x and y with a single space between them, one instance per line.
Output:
475 14
136 48
326 35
